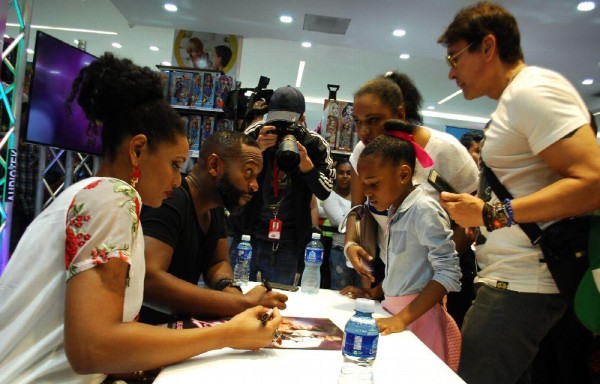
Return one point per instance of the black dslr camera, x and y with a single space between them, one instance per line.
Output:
287 155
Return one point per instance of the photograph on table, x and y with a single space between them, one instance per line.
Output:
293 333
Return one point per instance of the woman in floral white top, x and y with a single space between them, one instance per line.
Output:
73 288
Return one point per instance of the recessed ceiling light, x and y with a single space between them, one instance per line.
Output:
404 56
586 6
76 41
431 107
306 44
117 45
168 63
399 32
286 19
154 48
29 50
588 82
6 36
170 7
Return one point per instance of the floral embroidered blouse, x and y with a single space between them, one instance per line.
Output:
91 222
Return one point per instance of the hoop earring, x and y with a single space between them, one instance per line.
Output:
135 175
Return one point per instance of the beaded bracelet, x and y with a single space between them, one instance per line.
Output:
509 210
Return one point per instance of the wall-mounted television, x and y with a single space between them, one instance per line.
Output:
55 65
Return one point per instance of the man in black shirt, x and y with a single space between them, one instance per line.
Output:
185 237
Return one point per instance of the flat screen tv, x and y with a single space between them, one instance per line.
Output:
55 65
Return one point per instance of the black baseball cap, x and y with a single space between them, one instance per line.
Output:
287 104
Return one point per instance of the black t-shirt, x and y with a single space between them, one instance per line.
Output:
175 223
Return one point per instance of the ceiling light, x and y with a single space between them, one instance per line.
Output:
307 44
76 41
65 29
300 73
167 63
6 36
399 32
404 56
29 50
431 107
117 45
286 19
449 97
154 48
586 6
170 7
588 82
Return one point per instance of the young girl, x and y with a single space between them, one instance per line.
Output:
421 264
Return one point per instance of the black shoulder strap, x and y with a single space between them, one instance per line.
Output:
532 230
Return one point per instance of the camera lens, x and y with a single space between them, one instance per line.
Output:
287 154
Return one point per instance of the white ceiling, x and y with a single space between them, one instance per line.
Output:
554 35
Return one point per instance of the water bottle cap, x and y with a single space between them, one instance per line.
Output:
245 237
316 236
365 305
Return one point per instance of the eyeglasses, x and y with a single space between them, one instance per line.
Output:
452 59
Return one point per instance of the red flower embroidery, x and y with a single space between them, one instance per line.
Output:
93 185
75 238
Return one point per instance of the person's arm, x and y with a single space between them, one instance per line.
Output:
576 158
316 168
97 340
314 212
220 268
168 293
333 209
354 253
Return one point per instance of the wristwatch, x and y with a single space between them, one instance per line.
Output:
225 283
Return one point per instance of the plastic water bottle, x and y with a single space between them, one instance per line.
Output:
313 258
359 347
241 272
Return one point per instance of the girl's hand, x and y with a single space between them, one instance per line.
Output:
389 325
356 254
247 331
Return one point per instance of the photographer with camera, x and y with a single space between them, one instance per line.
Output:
297 164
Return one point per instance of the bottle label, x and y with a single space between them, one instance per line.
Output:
244 254
313 255
360 346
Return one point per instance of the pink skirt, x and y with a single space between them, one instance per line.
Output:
435 328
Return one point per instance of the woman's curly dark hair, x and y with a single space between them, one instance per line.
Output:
123 100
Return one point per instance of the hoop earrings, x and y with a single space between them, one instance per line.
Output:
135 175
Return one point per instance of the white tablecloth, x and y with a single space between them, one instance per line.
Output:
401 357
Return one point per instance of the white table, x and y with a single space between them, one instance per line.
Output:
401 357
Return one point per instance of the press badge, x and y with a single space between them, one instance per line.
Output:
275 229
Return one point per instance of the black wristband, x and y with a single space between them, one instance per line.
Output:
226 283
488 217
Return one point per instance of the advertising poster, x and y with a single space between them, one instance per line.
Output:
205 50
340 130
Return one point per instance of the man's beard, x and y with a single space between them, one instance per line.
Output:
229 194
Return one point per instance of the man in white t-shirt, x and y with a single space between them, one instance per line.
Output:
540 146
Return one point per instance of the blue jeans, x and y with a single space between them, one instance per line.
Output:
501 334
341 275
278 266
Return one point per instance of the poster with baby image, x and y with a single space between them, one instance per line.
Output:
205 50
